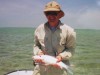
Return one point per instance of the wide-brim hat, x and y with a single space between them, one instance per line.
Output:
54 6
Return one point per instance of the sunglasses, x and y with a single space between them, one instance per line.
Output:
51 13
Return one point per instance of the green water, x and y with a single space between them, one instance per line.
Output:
16 46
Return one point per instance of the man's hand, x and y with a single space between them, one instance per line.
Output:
39 61
40 53
59 58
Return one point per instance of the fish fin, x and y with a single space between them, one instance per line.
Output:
69 70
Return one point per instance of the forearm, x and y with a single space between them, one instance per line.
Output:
36 47
36 50
67 54
70 45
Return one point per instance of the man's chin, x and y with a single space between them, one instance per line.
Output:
52 21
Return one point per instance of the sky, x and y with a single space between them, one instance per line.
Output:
79 14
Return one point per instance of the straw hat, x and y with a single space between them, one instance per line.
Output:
54 6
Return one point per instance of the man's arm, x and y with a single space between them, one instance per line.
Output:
70 46
37 46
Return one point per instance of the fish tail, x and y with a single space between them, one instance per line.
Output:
69 71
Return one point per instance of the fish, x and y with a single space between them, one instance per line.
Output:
50 60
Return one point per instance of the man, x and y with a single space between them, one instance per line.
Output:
53 38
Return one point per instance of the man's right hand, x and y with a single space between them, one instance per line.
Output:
39 60
40 53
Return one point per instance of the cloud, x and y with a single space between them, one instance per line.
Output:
29 13
20 8
98 2
87 18
22 13
90 19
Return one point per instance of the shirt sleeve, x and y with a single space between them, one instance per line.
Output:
37 46
70 45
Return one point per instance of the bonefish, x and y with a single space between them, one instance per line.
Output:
50 60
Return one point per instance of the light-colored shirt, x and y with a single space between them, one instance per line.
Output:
60 42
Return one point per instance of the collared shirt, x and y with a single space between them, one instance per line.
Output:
61 42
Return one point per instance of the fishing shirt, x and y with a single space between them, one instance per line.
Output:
59 41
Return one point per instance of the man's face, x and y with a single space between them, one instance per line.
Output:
52 16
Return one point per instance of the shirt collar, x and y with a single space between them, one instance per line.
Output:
54 28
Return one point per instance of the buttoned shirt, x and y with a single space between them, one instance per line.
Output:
59 42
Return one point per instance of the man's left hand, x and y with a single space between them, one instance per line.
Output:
59 58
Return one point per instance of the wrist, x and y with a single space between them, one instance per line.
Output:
59 57
40 53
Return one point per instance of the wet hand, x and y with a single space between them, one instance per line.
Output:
39 61
59 58
40 53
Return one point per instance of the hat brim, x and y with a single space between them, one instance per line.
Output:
61 14
51 9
